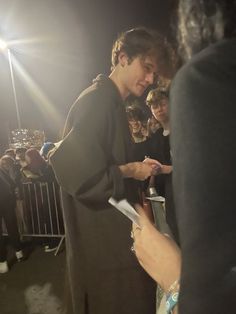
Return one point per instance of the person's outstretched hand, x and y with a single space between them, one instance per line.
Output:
157 253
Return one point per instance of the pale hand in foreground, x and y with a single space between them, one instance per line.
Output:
158 254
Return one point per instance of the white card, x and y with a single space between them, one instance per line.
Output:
156 199
124 207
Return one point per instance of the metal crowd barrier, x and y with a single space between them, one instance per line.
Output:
39 212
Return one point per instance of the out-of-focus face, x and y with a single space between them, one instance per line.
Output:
160 111
20 156
6 165
201 23
11 154
138 74
135 126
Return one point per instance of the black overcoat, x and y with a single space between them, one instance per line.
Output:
104 276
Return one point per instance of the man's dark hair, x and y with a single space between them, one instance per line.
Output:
142 42
202 22
20 150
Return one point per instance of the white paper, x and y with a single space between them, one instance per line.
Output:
124 207
156 198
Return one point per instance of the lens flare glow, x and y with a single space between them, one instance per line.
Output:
38 96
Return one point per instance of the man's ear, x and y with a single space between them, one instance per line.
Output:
123 59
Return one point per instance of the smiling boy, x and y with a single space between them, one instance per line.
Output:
95 162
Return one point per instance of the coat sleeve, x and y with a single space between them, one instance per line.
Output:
83 163
202 108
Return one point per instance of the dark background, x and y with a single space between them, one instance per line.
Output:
65 44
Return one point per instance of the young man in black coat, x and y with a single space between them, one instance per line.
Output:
94 162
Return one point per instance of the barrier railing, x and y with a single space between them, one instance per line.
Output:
39 212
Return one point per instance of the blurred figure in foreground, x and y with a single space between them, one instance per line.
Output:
203 128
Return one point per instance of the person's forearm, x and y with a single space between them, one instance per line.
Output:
138 170
128 170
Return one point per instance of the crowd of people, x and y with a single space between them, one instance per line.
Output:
155 144
18 167
184 152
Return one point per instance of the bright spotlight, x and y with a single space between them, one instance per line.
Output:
3 44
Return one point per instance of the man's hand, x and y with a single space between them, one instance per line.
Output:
138 170
155 164
166 169
142 171
159 168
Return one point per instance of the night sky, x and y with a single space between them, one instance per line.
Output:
66 43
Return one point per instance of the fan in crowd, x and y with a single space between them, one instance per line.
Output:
46 149
158 100
37 168
20 156
10 152
7 213
137 121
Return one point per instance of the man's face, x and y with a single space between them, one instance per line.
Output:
139 74
160 110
